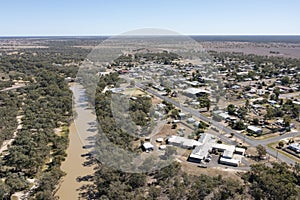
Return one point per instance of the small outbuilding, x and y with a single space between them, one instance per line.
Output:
230 162
162 147
147 146
159 140
240 151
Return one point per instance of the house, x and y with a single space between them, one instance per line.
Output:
69 79
242 73
190 120
116 90
296 103
250 96
295 147
257 106
158 87
182 85
195 103
260 92
147 146
123 71
272 102
182 115
195 92
235 87
159 140
103 73
196 124
279 122
205 79
161 106
254 129
175 121
252 91
225 115
162 147
192 83
174 94
283 88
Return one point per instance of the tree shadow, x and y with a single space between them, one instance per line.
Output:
88 190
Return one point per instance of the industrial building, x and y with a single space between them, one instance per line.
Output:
182 142
208 144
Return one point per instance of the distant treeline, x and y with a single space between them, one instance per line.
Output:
229 38
249 38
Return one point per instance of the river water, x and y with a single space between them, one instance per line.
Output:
81 134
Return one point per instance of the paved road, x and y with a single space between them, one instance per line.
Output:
227 130
280 137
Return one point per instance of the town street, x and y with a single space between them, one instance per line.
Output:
227 130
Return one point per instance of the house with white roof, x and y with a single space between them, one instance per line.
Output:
254 129
147 146
195 92
295 147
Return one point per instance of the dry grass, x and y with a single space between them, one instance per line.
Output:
134 92
165 131
193 169
266 136
284 49
156 100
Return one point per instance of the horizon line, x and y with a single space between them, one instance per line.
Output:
113 35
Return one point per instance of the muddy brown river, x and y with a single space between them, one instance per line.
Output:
80 135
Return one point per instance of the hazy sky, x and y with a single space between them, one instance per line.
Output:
107 17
